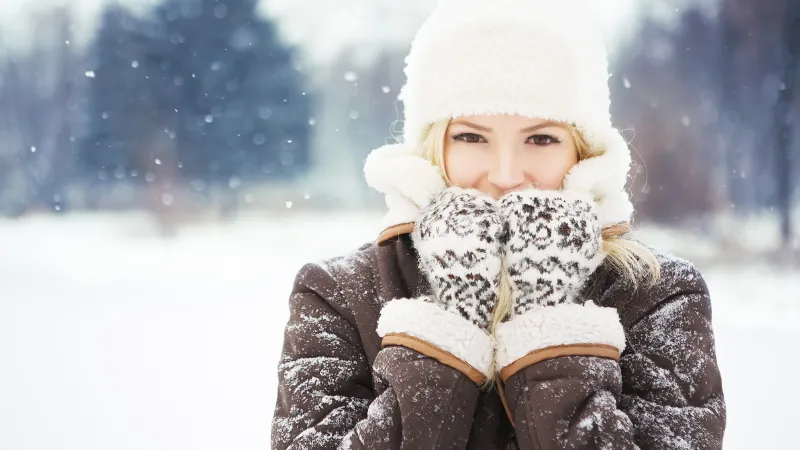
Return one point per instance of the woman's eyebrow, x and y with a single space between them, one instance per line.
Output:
470 124
524 130
540 126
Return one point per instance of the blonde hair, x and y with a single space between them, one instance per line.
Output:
629 259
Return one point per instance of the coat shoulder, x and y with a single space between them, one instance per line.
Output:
677 276
340 279
634 301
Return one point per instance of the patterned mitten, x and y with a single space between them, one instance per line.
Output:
459 239
554 245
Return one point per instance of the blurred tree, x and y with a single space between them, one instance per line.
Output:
711 103
213 99
783 116
242 108
40 92
663 103
759 73
123 114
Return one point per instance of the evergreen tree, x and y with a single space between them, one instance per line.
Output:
242 109
120 97
203 90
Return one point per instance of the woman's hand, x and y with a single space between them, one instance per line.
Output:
460 239
554 244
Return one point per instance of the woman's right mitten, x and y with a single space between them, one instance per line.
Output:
459 239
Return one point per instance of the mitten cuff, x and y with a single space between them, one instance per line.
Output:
418 319
562 330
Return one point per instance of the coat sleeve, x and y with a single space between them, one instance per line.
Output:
326 397
663 393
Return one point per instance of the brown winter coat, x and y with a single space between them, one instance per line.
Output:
339 389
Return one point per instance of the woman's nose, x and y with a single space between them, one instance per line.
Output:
507 173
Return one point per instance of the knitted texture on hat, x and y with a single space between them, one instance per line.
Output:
459 239
554 244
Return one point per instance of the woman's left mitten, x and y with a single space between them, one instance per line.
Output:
554 245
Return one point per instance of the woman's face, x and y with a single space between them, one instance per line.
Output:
500 153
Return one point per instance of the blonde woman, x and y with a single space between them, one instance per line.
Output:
502 306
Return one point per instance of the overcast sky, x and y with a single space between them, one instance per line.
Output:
323 27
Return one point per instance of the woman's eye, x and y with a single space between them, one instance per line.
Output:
544 139
468 137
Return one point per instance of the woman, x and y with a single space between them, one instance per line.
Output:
503 263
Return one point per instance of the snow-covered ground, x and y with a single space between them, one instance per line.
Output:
114 338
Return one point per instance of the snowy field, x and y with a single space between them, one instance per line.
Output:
114 338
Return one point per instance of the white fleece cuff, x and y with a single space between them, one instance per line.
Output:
550 326
448 331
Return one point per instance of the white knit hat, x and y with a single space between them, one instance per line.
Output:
536 58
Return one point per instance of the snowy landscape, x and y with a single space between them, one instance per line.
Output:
113 337
159 192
